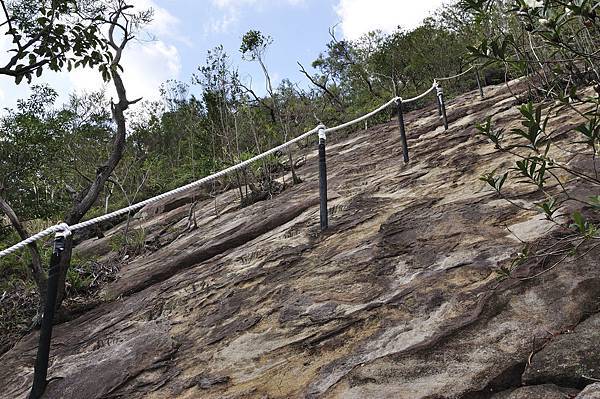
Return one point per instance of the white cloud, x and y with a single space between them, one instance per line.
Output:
146 65
231 11
237 4
361 16
222 24
164 25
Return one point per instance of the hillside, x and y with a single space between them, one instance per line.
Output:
398 299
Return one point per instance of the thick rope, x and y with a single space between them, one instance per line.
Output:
457 75
362 118
420 96
61 228
66 230
197 183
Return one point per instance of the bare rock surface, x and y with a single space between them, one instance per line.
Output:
571 359
590 392
546 391
398 299
143 346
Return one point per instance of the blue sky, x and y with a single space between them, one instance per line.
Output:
298 29
186 29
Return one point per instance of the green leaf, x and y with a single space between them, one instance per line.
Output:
579 222
549 207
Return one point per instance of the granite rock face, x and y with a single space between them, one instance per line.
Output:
590 392
571 358
546 391
398 299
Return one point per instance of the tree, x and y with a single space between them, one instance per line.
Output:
52 34
31 135
553 44
356 75
46 132
253 48
122 25
222 97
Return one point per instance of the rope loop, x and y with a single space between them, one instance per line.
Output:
63 230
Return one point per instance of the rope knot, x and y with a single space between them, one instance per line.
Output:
63 229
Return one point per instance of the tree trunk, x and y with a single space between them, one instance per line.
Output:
87 198
36 268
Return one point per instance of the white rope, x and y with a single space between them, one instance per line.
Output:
362 118
197 183
420 96
59 228
457 75
67 230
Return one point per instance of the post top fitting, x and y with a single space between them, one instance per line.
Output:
322 133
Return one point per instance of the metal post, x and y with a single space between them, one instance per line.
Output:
479 83
400 109
43 353
323 179
442 105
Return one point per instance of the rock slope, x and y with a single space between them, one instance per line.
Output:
398 299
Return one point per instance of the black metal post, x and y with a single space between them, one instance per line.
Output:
323 181
442 105
479 83
43 353
400 108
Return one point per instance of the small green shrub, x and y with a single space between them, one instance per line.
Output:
132 243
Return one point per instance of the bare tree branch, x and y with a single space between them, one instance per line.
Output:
35 267
321 86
